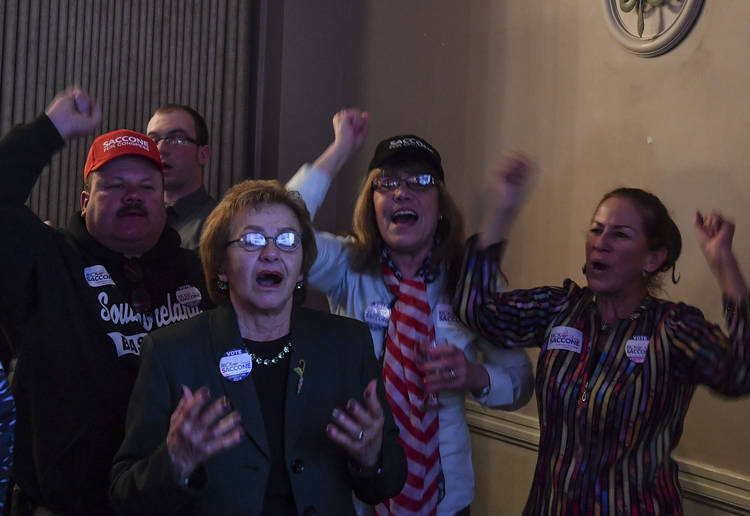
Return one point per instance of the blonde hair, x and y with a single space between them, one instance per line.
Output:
244 195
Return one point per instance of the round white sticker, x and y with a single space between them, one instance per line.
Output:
377 315
235 365
636 348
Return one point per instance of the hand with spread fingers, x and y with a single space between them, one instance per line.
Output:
74 113
448 368
359 429
198 430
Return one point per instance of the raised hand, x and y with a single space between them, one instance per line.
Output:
714 234
510 180
74 113
198 432
359 429
508 184
350 128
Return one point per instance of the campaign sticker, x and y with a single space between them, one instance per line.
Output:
445 316
188 295
97 275
636 348
235 365
377 315
565 337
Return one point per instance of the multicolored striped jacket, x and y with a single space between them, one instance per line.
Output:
612 400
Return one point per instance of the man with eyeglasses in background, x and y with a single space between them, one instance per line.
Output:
181 135
81 300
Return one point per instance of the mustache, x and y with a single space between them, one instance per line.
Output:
128 210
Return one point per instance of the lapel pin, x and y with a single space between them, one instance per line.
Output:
300 371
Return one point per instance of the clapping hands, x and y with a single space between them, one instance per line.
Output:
199 430
359 429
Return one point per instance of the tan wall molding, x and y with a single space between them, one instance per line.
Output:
703 483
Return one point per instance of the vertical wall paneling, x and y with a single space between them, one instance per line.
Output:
132 56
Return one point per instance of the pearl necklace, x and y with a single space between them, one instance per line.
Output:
272 361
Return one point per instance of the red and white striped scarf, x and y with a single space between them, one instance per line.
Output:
410 322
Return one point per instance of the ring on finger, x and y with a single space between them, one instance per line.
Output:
451 374
360 435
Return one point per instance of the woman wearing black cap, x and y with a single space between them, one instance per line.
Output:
397 272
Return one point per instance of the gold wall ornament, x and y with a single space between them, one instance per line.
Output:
649 28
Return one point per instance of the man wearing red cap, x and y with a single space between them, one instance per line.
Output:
83 299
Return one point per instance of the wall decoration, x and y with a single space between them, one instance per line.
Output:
649 28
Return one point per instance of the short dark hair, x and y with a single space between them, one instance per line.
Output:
201 129
658 226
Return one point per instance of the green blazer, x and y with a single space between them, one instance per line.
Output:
339 363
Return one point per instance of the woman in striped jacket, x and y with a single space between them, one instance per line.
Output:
617 366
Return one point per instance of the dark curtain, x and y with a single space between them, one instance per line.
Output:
132 56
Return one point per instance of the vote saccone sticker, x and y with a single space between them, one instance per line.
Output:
636 348
377 315
236 365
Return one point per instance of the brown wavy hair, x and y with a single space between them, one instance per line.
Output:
447 254
240 197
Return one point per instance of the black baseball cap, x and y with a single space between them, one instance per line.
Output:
407 147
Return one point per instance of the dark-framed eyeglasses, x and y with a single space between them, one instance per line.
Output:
286 241
174 140
415 183
140 299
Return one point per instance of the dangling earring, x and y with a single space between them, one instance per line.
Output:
221 285
583 269
300 285
644 273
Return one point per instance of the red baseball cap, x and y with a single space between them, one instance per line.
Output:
122 142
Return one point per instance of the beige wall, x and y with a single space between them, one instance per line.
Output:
476 77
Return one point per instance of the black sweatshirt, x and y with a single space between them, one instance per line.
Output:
70 301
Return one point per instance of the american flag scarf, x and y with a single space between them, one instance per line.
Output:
409 323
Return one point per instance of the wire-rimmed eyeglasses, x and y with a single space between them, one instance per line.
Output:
286 241
416 183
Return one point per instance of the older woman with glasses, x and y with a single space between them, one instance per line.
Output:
397 273
252 407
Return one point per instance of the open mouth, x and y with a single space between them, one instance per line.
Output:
404 216
599 266
269 279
